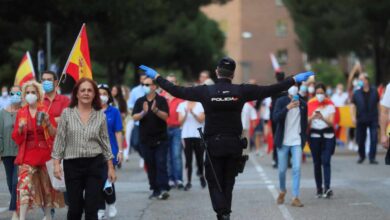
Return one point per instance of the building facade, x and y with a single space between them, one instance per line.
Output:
254 29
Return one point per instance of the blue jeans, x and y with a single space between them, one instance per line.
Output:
321 151
361 135
296 152
156 162
11 171
175 164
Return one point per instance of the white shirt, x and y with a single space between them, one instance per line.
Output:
340 99
320 124
190 125
292 128
247 115
386 97
267 106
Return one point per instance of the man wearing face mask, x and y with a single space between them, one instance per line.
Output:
223 103
151 111
290 120
54 102
366 101
5 99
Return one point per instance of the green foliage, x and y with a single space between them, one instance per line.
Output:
122 34
329 28
328 74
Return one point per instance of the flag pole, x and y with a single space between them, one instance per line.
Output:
71 52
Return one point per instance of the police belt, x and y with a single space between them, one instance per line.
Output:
225 145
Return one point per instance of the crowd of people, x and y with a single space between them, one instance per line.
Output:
88 135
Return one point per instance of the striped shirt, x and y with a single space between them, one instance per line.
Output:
77 140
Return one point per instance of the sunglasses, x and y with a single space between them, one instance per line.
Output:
16 93
146 84
103 86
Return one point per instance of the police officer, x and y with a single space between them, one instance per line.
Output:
223 103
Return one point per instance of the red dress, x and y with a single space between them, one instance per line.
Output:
34 142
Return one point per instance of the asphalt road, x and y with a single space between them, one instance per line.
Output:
360 192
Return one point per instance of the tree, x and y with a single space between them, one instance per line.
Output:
337 27
122 33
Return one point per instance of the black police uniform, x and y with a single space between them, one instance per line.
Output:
223 103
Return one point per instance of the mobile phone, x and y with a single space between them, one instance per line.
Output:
295 97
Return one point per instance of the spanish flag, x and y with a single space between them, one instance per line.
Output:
25 70
79 63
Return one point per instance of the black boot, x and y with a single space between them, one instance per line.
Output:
223 217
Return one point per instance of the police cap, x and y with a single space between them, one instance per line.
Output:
227 64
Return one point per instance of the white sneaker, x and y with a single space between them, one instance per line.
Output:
141 163
102 214
112 211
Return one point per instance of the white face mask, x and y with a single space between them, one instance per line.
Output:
293 90
104 99
310 89
31 98
320 97
4 93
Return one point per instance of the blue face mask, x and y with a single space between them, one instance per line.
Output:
48 86
360 83
146 89
303 88
16 99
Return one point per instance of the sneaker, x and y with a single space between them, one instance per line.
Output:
328 193
171 184
112 211
274 165
280 199
154 195
164 195
203 182
319 193
374 162
141 163
179 185
102 214
187 187
223 217
360 161
296 203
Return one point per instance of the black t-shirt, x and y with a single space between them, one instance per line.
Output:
152 128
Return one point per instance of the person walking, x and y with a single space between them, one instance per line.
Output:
8 148
191 117
321 114
151 111
290 119
4 98
115 127
34 133
82 142
223 103
365 110
385 117
175 163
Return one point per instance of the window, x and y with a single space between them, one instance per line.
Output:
282 56
281 28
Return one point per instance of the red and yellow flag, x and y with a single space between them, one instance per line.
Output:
79 63
25 70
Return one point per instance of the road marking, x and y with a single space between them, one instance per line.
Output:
360 203
282 208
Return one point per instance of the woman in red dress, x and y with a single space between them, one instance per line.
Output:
34 134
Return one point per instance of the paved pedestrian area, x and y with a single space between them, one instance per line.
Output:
360 192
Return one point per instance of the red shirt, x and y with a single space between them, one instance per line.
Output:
55 107
173 118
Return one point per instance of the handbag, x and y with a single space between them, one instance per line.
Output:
57 184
